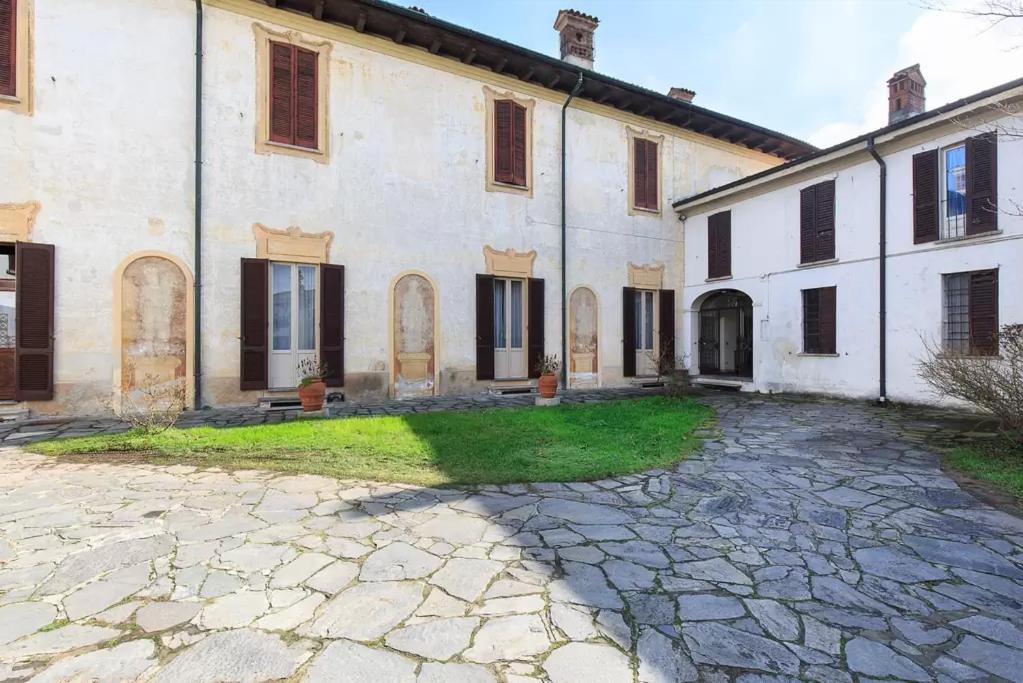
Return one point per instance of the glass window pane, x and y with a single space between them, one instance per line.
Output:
649 322
281 307
955 181
956 313
516 314
638 313
7 325
307 308
499 331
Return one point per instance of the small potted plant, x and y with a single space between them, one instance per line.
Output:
548 367
311 388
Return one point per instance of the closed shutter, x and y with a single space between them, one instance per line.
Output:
811 321
8 47
306 108
824 227
982 184
828 320
628 332
34 322
484 327
651 175
639 171
255 357
282 113
984 312
534 329
807 223
519 145
925 196
504 142
667 330
719 243
332 323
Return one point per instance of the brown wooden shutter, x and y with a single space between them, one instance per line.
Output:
306 108
719 245
535 326
332 323
667 325
282 105
255 356
34 295
484 327
503 142
519 145
982 184
639 170
807 223
8 47
628 332
828 320
925 196
984 312
811 321
824 228
651 176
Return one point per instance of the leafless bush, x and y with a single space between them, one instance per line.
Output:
673 373
153 406
992 383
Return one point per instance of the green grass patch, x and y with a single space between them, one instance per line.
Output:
997 461
565 443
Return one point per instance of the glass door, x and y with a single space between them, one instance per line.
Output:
293 323
646 359
509 329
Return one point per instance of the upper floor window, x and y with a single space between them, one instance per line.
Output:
953 202
719 245
293 95
15 55
645 181
817 222
955 190
970 313
8 47
510 143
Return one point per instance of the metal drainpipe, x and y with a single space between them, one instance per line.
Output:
564 235
882 267
197 236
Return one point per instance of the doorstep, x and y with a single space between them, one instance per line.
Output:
735 383
512 388
285 401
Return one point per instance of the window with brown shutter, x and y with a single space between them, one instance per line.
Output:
970 313
34 333
8 47
629 332
484 327
332 323
534 326
925 196
294 107
644 174
817 222
981 184
719 245
255 353
819 320
510 157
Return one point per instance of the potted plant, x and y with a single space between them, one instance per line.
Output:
548 367
311 388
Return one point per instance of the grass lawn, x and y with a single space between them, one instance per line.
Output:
566 443
996 461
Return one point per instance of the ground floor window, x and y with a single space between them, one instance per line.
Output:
646 314
293 319
8 323
819 320
648 331
970 312
509 328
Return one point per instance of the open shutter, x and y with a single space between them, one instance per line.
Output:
982 184
925 196
824 228
8 47
651 176
34 322
827 317
984 312
332 323
667 331
639 169
306 109
484 327
255 357
282 112
518 145
807 223
811 321
503 142
534 329
628 332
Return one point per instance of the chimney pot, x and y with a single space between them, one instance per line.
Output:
576 31
684 94
906 94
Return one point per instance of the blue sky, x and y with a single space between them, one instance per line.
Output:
812 69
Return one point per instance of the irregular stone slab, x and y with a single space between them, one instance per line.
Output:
918 633
159 616
711 643
661 660
776 618
709 607
235 610
837 592
441 639
612 625
291 617
641 552
627 576
24 618
397 562
575 623
603 532
455 529
360 664
846 497
891 564
875 659
517 605
432 672
88 565
367 611
99 595
466 578
229 525
255 557
965 555
243 655
716 570
585 585
299 569
333 577
507 638
583 513
993 629
121 664
588 662
70 637
991 657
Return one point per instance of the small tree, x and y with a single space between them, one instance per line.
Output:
153 406
673 373
992 383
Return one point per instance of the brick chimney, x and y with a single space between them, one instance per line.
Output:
576 31
684 94
906 94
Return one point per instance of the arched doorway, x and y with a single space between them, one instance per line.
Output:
413 336
726 334
583 351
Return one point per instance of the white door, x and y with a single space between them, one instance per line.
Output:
646 344
509 329
293 321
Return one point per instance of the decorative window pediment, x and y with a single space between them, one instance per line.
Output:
292 245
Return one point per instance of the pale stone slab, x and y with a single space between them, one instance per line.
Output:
466 578
588 662
333 577
291 617
98 596
121 664
299 569
398 562
441 639
159 616
367 611
355 663
88 565
244 656
24 618
233 611
505 638
432 672
70 637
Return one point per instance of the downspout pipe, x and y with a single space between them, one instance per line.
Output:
197 227
564 234
882 270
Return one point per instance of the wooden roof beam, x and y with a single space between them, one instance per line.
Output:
360 23
469 56
499 66
435 45
399 37
318 9
529 73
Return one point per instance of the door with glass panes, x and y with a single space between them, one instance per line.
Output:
293 321
646 342
510 329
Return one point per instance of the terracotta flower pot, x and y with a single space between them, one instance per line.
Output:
312 395
548 386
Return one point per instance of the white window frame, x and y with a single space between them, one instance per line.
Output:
951 227
646 359
503 354
294 353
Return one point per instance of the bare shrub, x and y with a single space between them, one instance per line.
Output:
992 383
152 407
672 372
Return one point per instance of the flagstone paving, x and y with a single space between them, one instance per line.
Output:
805 541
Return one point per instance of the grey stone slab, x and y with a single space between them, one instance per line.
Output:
662 660
897 566
99 595
876 659
367 611
398 562
583 513
709 607
509 638
120 664
24 618
358 663
433 672
965 555
63 639
159 616
466 578
777 619
440 639
90 564
243 655
998 630
587 662
721 645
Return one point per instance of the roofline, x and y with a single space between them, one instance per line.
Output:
724 190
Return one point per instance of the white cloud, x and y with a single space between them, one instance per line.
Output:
958 54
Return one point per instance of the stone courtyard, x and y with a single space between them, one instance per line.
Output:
806 541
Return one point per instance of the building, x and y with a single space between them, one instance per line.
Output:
830 273
357 183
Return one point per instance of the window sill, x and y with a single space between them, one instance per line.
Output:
510 188
820 355
318 154
719 278
815 264
643 211
965 238
971 356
